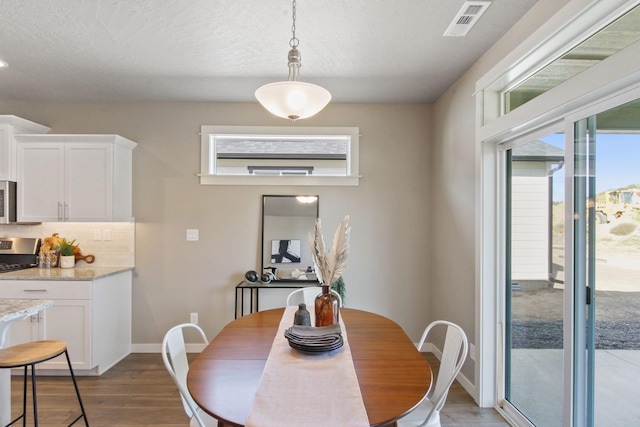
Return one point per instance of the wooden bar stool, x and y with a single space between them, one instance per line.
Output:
29 354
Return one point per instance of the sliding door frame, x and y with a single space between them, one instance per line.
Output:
502 224
578 377
616 75
580 364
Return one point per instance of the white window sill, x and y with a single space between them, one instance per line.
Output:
346 181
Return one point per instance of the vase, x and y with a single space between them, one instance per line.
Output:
327 308
54 258
67 261
302 316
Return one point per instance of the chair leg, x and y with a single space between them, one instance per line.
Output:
75 385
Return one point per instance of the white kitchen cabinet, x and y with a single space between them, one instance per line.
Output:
81 178
93 317
66 320
10 126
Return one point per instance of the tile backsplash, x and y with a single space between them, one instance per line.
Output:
118 251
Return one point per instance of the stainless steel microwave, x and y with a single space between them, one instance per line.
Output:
7 202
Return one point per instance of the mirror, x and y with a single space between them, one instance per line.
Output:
286 224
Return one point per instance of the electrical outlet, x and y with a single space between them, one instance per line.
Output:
97 234
106 234
472 351
193 235
194 318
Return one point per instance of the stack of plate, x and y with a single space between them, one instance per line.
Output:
310 340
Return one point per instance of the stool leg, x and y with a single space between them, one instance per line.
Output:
35 400
24 402
24 399
75 385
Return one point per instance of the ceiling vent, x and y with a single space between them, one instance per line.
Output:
466 18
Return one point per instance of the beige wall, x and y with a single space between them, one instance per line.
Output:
413 217
390 210
455 181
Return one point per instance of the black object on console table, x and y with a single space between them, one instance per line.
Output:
255 287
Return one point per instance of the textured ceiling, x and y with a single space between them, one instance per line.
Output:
362 51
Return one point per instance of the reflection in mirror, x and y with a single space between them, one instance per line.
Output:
286 224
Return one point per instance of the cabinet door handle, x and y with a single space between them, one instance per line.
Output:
59 212
66 212
35 290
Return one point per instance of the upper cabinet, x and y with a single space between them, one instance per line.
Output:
10 126
81 178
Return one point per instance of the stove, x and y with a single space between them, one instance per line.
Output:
17 253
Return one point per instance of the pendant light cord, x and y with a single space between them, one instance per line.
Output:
294 42
294 54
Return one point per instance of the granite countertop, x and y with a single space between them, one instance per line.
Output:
12 309
78 273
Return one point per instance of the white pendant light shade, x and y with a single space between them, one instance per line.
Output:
293 99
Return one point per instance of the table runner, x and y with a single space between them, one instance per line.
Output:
301 390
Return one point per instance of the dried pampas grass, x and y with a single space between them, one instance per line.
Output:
331 265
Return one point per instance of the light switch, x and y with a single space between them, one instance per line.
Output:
97 234
106 234
193 234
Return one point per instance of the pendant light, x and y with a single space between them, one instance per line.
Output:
293 99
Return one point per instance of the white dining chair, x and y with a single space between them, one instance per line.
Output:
309 294
454 353
174 355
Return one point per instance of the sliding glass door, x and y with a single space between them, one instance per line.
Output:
572 336
534 286
607 266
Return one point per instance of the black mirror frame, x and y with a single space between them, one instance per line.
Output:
262 242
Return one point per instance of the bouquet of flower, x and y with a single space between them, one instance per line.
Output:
331 265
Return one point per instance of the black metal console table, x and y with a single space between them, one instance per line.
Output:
255 287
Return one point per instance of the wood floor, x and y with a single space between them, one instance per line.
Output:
138 392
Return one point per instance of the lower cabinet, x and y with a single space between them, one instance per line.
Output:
92 317
66 320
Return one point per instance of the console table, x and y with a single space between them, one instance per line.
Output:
255 287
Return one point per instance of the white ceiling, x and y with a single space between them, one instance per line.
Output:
362 51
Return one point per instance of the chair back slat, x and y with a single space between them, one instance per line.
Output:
174 355
450 364
178 357
454 353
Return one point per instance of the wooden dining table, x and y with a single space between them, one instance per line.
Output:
393 376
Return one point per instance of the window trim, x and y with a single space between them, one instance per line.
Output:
207 156
570 26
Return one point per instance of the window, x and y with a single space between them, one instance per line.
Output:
606 42
565 53
250 155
